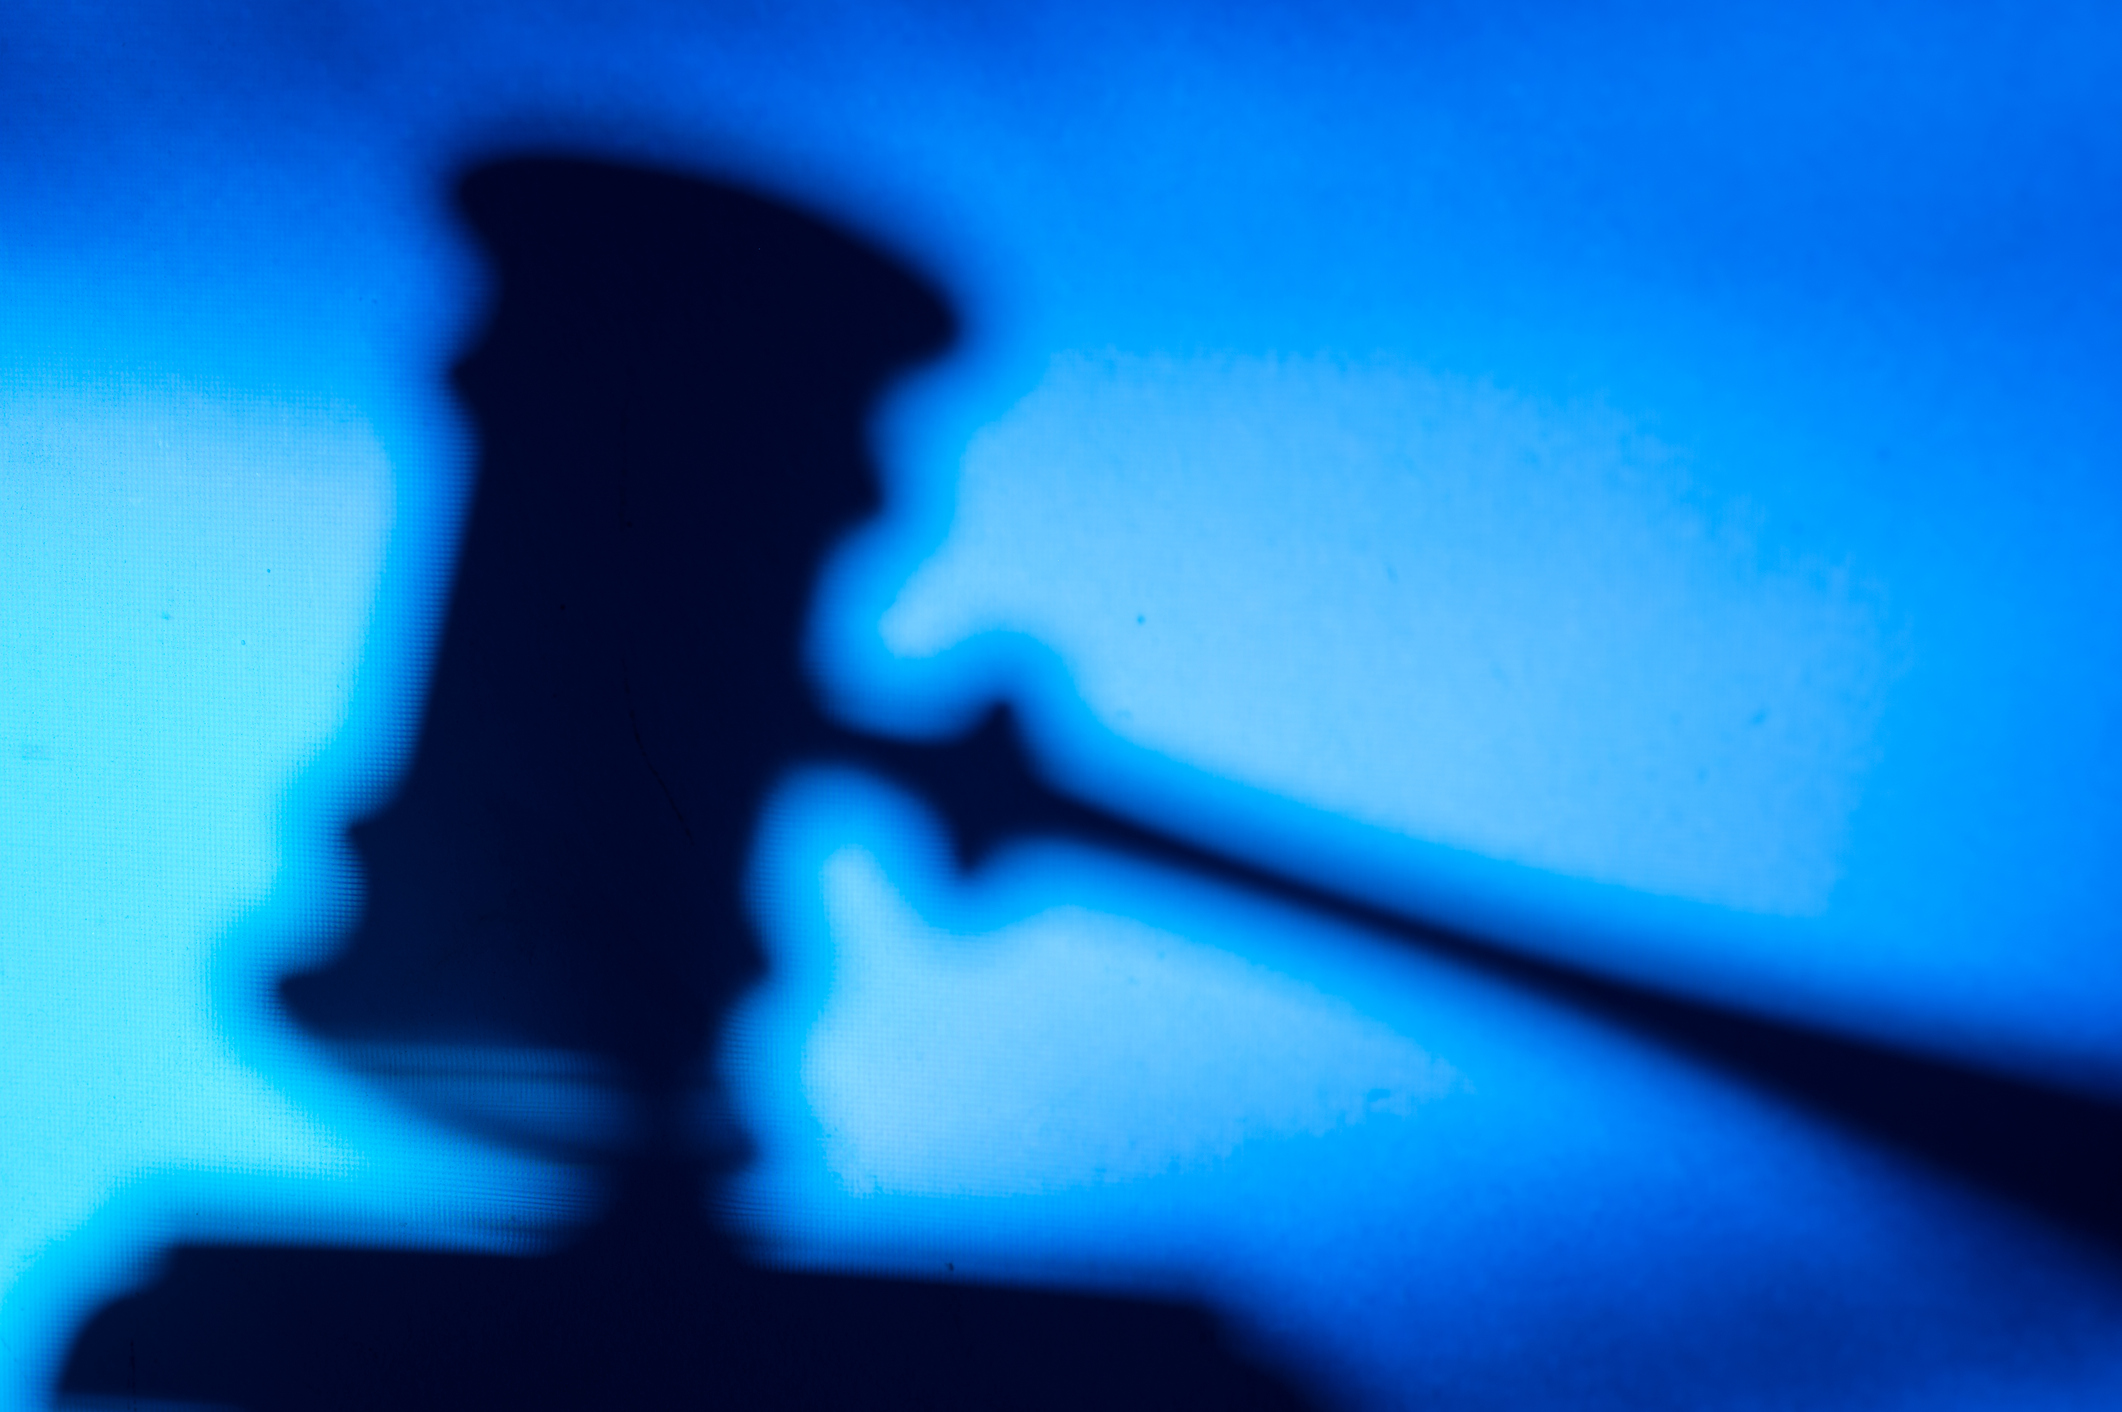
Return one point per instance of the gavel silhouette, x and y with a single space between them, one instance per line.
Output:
671 398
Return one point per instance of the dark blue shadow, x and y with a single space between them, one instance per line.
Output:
672 396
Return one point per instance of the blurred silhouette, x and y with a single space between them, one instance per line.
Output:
671 396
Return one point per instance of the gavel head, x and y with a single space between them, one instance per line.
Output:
671 393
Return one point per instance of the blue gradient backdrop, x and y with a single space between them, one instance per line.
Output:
1637 481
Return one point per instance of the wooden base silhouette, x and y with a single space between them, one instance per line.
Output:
647 1310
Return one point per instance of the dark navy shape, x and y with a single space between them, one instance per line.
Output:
671 395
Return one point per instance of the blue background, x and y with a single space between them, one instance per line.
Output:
1636 481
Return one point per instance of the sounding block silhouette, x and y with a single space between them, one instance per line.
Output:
671 397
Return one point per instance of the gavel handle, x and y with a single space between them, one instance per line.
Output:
2045 1148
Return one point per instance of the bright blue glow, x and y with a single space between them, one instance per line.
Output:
1665 366
1428 606
188 591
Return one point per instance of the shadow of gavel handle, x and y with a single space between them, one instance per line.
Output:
2040 1147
